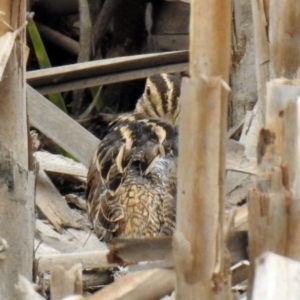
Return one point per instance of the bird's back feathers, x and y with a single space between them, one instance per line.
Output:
130 190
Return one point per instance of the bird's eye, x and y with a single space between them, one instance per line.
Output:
148 91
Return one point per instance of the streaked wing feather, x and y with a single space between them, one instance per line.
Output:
169 200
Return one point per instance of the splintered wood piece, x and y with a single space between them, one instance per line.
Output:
89 260
59 164
276 277
268 223
239 272
241 218
282 119
52 205
59 127
274 204
267 217
147 285
65 283
7 41
130 251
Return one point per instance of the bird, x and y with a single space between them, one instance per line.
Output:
131 182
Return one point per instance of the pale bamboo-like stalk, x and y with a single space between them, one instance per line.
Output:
273 221
277 277
274 205
262 53
17 182
149 285
12 84
198 241
284 36
255 119
65 282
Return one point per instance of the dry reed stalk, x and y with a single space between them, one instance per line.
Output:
199 241
17 182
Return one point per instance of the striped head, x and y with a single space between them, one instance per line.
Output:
160 98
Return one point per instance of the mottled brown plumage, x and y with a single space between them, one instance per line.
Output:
130 190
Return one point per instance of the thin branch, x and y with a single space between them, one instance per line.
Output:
103 19
84 50
58 39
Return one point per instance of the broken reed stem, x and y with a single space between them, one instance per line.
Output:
199 241
17 180
275 203
89 260
210 56
284 34
65 282
262 52
277 277
58 39
152 284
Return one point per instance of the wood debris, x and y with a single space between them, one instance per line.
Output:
81 148
65 282
89 260
7 41
51 204
26 290
96 73
70 240
277 277
60 164
152 284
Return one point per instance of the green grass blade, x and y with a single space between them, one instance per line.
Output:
43 60
97 92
